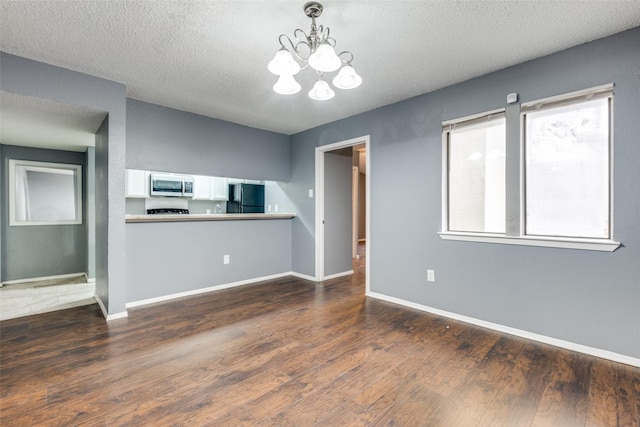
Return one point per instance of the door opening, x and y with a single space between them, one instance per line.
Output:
328 200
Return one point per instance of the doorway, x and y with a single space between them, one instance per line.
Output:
326 199
46 230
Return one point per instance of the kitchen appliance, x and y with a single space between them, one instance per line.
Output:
171 185
245 198
167 211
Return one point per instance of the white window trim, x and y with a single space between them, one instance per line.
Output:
568 98
77 169
604 245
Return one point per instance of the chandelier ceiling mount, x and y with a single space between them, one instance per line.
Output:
313 9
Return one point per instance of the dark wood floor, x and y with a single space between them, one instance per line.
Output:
293 353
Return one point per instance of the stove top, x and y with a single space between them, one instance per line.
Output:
167 211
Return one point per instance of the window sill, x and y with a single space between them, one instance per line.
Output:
549 242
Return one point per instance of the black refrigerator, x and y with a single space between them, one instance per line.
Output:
246 198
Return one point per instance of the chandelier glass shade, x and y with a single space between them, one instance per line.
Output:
347 78
321 91
283 64
315 51
286 85
324 59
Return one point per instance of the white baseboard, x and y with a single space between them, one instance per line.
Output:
43 278
203 290
108 317
604 354
303 276
313 279
334 276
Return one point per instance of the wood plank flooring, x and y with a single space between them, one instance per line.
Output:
289 352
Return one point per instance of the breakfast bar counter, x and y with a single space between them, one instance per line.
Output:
207 217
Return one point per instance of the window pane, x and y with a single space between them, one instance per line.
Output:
567 170
51 195
477 178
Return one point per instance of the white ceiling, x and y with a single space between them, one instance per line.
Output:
34 122
210 57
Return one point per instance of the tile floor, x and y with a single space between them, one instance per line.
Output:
21 300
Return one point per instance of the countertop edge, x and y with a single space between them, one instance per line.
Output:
206 217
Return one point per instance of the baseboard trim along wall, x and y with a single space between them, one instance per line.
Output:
335 276
45 278
203 290
303 276
604 354
108 317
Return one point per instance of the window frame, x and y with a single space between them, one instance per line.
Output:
447 127
515 227
76 172
600 92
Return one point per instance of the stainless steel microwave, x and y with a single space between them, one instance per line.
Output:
171 185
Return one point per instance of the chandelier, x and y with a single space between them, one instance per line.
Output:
316 51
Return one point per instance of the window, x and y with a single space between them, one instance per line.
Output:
475 190
550 187
44 193
567 167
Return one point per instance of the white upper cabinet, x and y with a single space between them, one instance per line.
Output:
204 187
220 189
201 187
210 188
137 183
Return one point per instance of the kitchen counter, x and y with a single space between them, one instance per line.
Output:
206 217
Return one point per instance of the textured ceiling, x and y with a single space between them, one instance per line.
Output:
34 122
210 57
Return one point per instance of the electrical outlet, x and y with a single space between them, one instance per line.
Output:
276 208
310 193
269 208
226 259
431 276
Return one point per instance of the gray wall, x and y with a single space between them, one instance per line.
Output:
41 250
173 257
169 258
102 213
585 297
362 206
337 211
3 211
91 212
164 139
36 79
